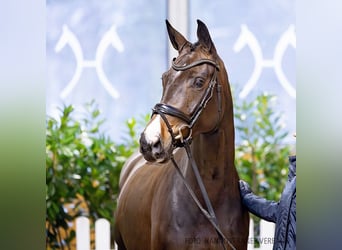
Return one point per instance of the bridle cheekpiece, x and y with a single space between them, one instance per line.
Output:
190 120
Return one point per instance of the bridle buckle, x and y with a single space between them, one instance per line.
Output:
180 134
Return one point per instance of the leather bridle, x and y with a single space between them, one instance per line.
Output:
190 120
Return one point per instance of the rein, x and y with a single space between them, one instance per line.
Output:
210 213
163 110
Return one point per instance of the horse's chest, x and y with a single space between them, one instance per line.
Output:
180 223
183 233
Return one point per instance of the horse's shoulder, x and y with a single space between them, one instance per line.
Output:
133 163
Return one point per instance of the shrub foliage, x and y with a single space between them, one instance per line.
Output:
83 164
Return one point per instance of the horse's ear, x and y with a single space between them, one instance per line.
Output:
204 37
176 38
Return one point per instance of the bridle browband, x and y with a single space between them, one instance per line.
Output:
190 120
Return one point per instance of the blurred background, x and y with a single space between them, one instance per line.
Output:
104 65
116 51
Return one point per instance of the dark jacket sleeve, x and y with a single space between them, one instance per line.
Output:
261 207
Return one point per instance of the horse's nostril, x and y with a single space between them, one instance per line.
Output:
156 144
144 146
157 149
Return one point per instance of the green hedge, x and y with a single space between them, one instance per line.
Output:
82 161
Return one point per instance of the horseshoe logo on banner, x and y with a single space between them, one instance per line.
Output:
109 38
247 38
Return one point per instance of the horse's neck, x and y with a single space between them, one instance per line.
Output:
214 155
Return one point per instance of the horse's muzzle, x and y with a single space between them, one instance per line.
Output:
152 150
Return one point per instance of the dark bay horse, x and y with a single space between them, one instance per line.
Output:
155 209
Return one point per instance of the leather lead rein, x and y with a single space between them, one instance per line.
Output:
209 214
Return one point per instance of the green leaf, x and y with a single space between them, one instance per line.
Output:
266 150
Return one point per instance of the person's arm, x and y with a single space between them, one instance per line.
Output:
259 206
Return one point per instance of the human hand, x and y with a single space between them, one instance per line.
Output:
244 188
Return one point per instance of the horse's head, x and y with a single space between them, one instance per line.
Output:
191 100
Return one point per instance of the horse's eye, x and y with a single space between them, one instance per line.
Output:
199 82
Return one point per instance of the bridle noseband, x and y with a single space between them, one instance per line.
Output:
190 120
